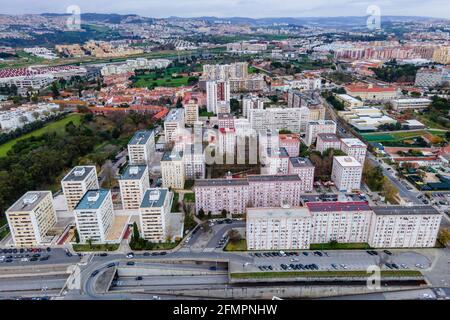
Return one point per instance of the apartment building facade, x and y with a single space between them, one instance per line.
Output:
346 173
75 184
355 148
304 168
133 182
30 218
173 170
278 228
154 214
327 141
141 148
94 216
313 128
174 123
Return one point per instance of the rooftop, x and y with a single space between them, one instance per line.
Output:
347 161
403 210
364 88
141 137
277 212
301 162
353 142
220 182
175 115
223 116
133 172
328 137
78 173
337 206
28 201
275 178
280 152
172 156
92 199
154 197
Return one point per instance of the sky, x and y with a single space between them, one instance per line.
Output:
234 8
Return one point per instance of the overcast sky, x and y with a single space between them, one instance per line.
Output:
234 8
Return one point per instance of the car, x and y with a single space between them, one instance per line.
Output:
69 254
130 263
36 255
8 260
163 253
146 254
103 254
334 266
45 258
213 268
305 254
139 278
394 266
112 264
387 252
130 255
295 260
220 221
388 265
370 252
404 266
93 274
156 297
49 249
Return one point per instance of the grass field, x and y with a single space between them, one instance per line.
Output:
339 246
189 197
240 245
57 126
292 274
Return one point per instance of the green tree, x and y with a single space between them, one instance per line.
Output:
201 213
55 90
136 234
77 236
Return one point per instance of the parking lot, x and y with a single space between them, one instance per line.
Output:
30 256
337 260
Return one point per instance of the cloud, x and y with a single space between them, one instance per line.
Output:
233 8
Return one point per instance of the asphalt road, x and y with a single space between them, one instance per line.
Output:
32 283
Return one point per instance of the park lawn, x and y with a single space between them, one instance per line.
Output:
189 197
175 203
339 246
350 273
57 126
95 247
240 245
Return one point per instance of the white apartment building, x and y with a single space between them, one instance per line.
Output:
173 170
304 168
278 228
225 120
404 227
327 141
252 102
415 104
344 222
215 195
141 148
276 161
154 214
291 142
174 124
133 183
274 190
346 173
216 72
313 128
94 216
30 218
194 161
227 141
355 148
275 119
218 96
235 195
75 184
191 113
